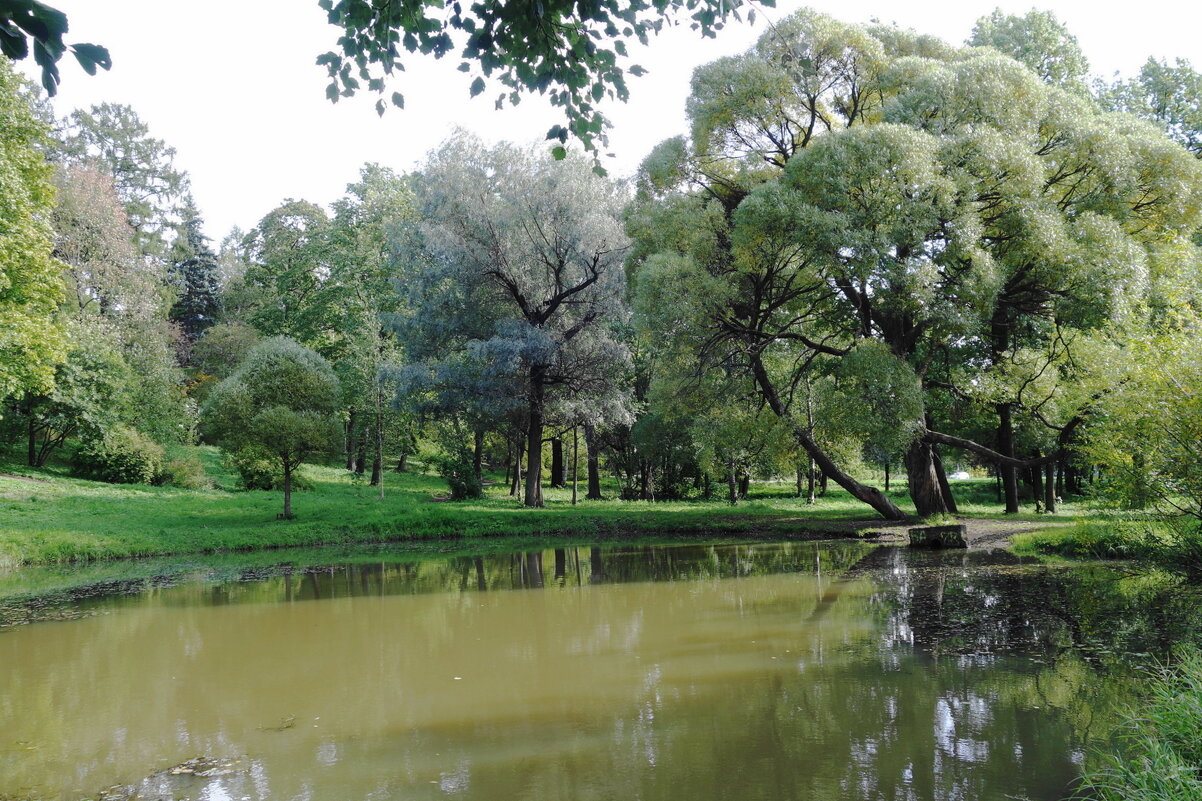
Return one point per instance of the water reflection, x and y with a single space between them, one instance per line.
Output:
762 671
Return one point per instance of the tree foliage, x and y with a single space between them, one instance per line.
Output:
28 25
31 287
574 53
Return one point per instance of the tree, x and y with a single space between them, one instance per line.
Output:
962 213
575 53
532 249
195 273
115 139
89 396
289 265
31 286
1169 95
1037 39
25 21
280 402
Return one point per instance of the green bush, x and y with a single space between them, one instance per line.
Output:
123 455
257 471
185 471
457 470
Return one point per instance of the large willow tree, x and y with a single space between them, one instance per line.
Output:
846 184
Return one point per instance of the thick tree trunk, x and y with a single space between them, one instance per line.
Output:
478 453
744 485
376 470
1005 445
1060 471
558 471
360 454
946 488
402 462
534 439
593 462
922 480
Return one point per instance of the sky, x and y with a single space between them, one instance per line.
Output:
233 87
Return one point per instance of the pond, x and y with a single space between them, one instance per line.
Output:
763 670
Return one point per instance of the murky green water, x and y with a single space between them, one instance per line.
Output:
776 671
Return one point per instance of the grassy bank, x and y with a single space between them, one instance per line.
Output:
1158 756
46 516
1176 548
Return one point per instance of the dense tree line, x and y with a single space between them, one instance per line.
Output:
872 250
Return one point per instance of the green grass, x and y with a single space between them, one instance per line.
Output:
1158 756
46 516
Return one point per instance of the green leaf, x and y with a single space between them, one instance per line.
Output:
477 86
559 152
398 100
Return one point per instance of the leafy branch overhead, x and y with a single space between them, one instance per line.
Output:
23 21
573 52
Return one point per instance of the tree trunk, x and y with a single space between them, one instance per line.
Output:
707 490
558 471
376 470
575 461
478 453
744 485
1060 471
810 499
534 439
361 454
922 480
946 488
287 490
403 462
645 490
886 476
516 486
1005 445
593 463
800 480
822 481
732 483
1049 492
350 440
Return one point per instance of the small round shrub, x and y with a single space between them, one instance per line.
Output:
185 471
257 471
123 455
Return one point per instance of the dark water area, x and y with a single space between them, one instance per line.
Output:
830 670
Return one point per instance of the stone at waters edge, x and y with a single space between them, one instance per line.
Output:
938 537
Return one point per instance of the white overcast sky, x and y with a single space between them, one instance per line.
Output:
232 85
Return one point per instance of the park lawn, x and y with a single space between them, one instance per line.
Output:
47 517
